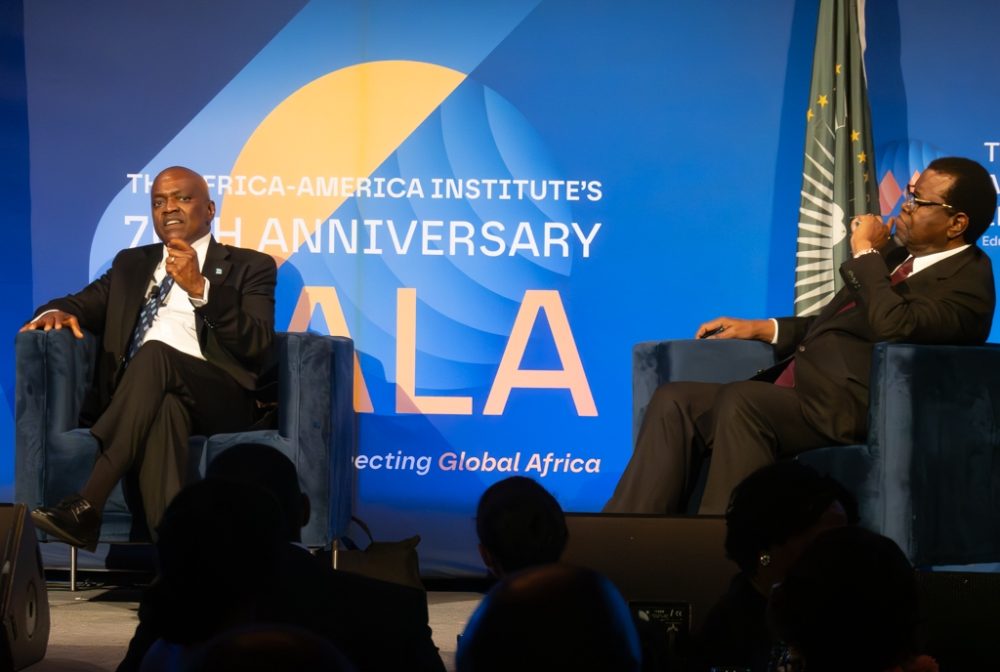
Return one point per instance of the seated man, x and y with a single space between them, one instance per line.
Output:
185 329
931 285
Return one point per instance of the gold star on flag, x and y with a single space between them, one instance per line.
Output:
862 157
836 68
854 136
809 114
822 101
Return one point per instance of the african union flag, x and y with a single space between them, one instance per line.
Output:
838 174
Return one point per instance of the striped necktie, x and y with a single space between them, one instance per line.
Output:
157 297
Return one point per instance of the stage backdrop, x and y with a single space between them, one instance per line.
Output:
496 200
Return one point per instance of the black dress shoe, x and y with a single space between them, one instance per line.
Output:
74 520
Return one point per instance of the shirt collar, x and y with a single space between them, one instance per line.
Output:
920 263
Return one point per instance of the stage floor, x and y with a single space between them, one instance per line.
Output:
91 628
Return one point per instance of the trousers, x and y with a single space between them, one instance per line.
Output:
739 427
163 398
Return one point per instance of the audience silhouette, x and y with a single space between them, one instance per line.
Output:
357 614
550 617
219 553
236 591
849 603
266 648
772 516
519 525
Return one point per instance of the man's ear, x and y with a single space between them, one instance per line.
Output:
959 223
487 557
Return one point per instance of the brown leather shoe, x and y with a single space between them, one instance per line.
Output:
73 520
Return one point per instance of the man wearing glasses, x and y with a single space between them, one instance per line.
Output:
929 283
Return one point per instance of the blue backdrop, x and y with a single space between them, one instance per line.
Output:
559 180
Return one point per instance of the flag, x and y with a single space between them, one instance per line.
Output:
838 173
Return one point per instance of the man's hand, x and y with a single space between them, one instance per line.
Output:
733 327
55 319
182 265
868 232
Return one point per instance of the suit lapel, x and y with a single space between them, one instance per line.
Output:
137 273
217 265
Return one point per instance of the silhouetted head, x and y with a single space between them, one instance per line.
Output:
519 525
218 549
776 511
270 469
849 603
268 647
550 617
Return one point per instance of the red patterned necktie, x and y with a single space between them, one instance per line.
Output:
787 377
902 272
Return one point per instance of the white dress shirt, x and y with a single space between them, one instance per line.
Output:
175 321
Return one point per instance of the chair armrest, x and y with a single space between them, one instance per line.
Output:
316 413
53 373
934 432
709 361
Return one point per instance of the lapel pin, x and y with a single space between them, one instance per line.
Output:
218 271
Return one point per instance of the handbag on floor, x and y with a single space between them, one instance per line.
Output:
392 561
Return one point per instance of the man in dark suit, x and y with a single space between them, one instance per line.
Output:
203 314
931 285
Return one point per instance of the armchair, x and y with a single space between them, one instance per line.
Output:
316 427
929 475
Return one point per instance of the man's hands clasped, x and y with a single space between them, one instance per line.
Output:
869 233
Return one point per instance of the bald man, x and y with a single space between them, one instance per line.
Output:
186 327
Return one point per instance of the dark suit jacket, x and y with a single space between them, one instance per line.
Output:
235 327
951 302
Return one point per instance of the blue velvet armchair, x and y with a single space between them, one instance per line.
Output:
929 476
315 427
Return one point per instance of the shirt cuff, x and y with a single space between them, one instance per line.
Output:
40 315
198 303
774 339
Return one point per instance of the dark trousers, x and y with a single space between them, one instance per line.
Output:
744 425
163 398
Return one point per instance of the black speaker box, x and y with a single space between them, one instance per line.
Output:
24 603
652 558
960 625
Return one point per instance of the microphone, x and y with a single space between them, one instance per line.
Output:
154 292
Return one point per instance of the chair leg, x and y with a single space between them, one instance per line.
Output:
72 568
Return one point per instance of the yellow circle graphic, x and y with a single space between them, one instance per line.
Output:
341 125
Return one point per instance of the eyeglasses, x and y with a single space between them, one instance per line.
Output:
911 202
